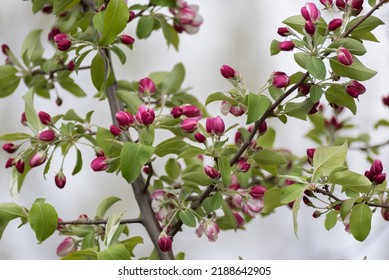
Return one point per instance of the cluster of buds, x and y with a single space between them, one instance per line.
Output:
311 15
237 111
249 201
375 174
209 228
124 120
62 41
355 6
191 113
186 17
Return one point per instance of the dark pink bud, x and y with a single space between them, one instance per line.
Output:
369 175
239 219
47 135
385 100
284 31
189 125
286 46
44 117
115 130
146 170
60 180
257 191
19 165
335 24
307 201
146 86
215 126
314 108
211 172
53 32
10 147
327 3
71 65
10 162
200 138
99 164
126 39
237 111
60 227
310 27
280 79
344 56
131 16
341 4
176 112
191 111
62 41
376 167
145 115
357 6
23 119
47 9
165 242
238 138
385 214
124 119
262 128
310 12
333 123
38 159
99 152
5 49
67 246
304 89
311 152
243 165
355 88
379 179
228 72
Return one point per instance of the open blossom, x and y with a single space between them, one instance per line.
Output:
210 229
186 17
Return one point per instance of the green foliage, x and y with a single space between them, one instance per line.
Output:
360 221
8 80
105 205
115 20
43 219
257 106
225 170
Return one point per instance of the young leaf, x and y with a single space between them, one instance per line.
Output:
337 94
228 221
60 6
116 252
299 110
356 71
360 221
8 212
170 146
130 99
145 27
274 47
225 170
72 87
172 168
219 96
217 201
187 217
316 68
78 166
191 152
315 93
15 136
346 207
113 230
369 24
164 3
88 254
115 20
354 46
330 221
8 80
173 80
271 200
31 114
131 243
291 193
302 59
269 157
89 241
32 49
258 105
105 205
97 71
198 178
295 209
43 220
351 180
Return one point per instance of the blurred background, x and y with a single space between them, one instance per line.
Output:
237 33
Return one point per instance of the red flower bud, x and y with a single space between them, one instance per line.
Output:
304 89
99 164
335 24
262 128
146 86
376 167
238 138
145 115
126 39
115 130
307 201
211 172
327 3
314 108
310 27
71 65
131 16
344 56
23 119
53 32
10 147
164 242
379 179
124 119
189 125
19 165
385 214
200 138
10 162
311 152
385 100
284 31
280 79
257 191
239 219
228 72
243 165
310 12
316 214
369 175
286 46
355 88
47 9
47 135
62 41
60 180
191 111
341 4
44 117
38 159
5 49
67 246
215 126
176 112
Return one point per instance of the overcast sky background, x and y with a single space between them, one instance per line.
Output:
237 33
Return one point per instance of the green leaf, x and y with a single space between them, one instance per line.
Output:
113 229
295 209
170 146
258 105
228 221
132 158
116 252
115 20
32 49
189 152
275 47
119 53
346 207
130 99
172 168
43 220
354 46
78 166
71 115
302 59
337 94
291 193
269 157
267 140
97 71
145 27
316 68
164 3
188 218
331 219
15 136
131 243
219 96
315 93
173 80
72 87
299 110
298 23
8 212
37 5
351 180
360 221
169 33
88 254
225 170
217 201
271 200
367 25
198 178
372 3
60 6
326 159
356 71
103 207
31 114
8 80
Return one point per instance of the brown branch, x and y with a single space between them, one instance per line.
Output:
99 222
376 146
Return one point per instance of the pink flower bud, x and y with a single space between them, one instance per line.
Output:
284 31
67 246
376 167
131 16
165 242
341 4
225 107
53 32
310 27
262 128
310 12
47 9
126 39
47 135
189 125
237 111
385 214
327 3
146 86
145 115
280 79
344 56
355 88
238 138
38 159
99 152
314 108
191 111
369 175
385 100
5 49
60 227
199 137
115 130
71 65
257 191
304 89
186 18
335 24
286 46
99 164
124 119
211 172
19 165
239 219
60 180
44 117
243 165
23 119
215 126
10 162
379 179
176 112
10 147
310 154
62 41
228 72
